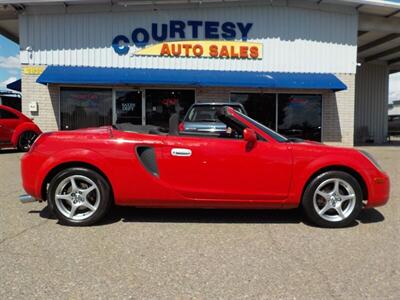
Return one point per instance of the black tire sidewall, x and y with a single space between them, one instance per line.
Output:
104 189
19 146
307 200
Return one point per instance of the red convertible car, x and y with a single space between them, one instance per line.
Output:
81 173
16 129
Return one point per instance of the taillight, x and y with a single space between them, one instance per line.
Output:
181 126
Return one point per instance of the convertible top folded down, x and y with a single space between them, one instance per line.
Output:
146 129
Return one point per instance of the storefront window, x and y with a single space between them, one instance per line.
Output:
128 107
85 107
14 102
260 107
300 116
161 104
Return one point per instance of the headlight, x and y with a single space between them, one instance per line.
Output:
371 159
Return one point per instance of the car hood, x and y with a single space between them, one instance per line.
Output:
319 147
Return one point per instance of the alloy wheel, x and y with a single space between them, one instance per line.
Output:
77 197
334 200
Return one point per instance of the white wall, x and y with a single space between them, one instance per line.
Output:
294 39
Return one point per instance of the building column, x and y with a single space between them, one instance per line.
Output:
47 98
338 114
371 102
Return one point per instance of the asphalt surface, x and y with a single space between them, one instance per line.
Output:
203 254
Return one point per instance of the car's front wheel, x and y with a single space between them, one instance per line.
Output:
333 199
79 196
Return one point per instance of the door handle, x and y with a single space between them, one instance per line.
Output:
181 152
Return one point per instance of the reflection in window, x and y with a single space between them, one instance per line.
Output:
260 107
300 116
161 104
85 107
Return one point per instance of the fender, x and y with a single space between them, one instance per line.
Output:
26 126
71 155
311 168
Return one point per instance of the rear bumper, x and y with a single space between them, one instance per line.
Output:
379 190
30 172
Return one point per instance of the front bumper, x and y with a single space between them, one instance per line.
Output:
379 191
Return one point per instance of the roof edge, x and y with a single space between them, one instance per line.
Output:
382 3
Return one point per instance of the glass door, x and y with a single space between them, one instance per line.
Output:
128 107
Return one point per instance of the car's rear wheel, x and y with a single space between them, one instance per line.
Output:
333 199
26 140
79 196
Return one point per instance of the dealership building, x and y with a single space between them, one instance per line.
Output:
312 69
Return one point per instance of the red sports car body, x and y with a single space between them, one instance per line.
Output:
16 129
80 172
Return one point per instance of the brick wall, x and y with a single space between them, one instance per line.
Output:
338 114
48 102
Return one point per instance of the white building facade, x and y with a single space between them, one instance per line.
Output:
292 64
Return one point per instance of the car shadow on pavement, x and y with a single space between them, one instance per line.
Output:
370 215
227 216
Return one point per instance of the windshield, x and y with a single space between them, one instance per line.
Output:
207 113
269 131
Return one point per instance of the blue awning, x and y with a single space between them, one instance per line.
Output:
190 78
15 85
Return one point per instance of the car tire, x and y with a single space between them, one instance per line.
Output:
332 199
79 196
25 140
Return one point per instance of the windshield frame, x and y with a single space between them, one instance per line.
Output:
272 133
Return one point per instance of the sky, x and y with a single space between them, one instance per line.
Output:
10 68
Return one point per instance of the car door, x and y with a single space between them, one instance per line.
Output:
226 169
8 123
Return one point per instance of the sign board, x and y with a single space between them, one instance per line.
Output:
193 38
33 70
215 49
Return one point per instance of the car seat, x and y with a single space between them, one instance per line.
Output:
173 124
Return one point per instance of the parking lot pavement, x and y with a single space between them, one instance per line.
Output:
180 254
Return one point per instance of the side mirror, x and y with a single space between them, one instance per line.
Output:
249 135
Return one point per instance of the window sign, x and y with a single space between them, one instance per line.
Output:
129 107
